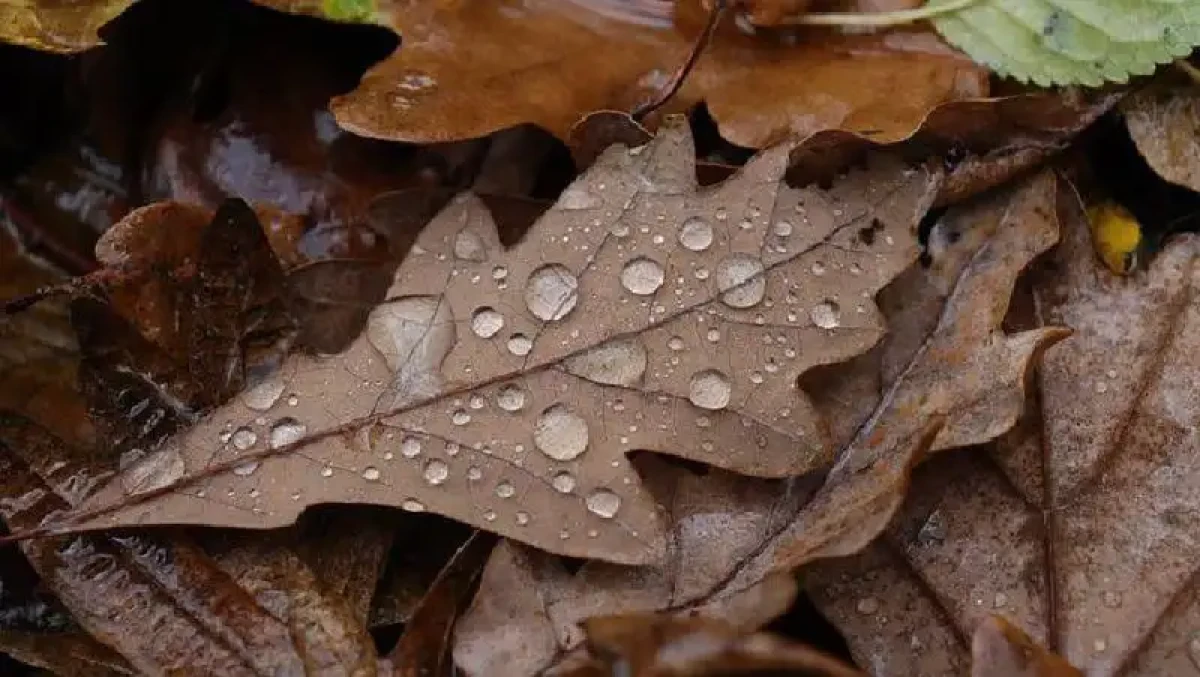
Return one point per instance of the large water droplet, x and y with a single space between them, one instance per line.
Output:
511 398
519 345
370 473
486 322
286 431
560 433
264 395
621 362
577 197
246 469
603 503
410 447
468 246
152 471
709 389
436 472
826 315
642 276
563 482
741 281
505 490
695 234
243 438
552 292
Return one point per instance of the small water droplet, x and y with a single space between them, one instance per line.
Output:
477 402
293 400
818 268
522 517
675 343
563 482
756 377
410 447
741 281
511 398
412 505
642 276
709 389
246 469
552 292
436 472
867 605
489 515
243 438
370 473
474 473
783 228
460 417
286 431
326 472
695 234
1100 646
486 322
505 490
1101 387
826 315
620 362
264 395
560 433
713 335
603 503
519 345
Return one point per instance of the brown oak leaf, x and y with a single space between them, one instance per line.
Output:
57 26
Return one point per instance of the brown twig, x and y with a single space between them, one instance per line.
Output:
702 41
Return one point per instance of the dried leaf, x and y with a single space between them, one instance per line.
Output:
731 532
1073 526
64 654
1162 119
57 26
528 384
552 62
1000 649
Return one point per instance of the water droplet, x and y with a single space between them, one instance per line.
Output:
286 431
756 377
818 268
468 246
486 322
783 228
642 276
713 335
474 473
370 473
709 389
740 280
151 471
326 472
578 197
621 362
867 605
436 472
603 503
412 505
560 433
826 315
293 400
505 490
552 292
675 343
477 402
410 447
460 417
489 515
243 438
1101 387
246 469
511 398
1100 645
519 345
522 517
695 234
563 482
1112 599
264 395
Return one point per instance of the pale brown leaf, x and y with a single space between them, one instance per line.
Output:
1162 119
1000 649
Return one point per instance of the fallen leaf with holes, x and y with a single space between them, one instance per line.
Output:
551 63
730 533
1076 525
1162 120
57 26
639 313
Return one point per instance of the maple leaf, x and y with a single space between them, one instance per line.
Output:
57 26
730 534
1074 525
639 313
552 62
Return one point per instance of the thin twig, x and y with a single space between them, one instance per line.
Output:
664 94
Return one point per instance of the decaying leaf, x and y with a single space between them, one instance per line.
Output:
1000 649
730 533
552 62
1074 525
57 26
1162 119
639 313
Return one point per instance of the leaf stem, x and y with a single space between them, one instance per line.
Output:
640 112
895 18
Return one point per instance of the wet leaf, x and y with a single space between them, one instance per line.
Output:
57 26
1061 42
525 429
468 69
1000 649
730 533
1162 120
65 654
1071 525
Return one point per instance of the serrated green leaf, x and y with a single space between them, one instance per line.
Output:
1063 42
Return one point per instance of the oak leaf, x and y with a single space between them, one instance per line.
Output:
730 533
1162 120
57 26
1074 526
552 62
639 313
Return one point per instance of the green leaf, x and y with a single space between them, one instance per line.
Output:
1061 42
